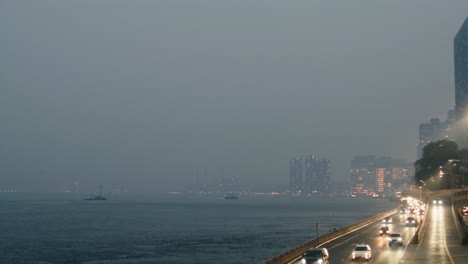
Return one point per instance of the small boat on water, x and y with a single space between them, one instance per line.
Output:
97 197
230 196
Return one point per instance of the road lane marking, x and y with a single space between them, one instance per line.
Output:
343 241
370 225
404 250
448 253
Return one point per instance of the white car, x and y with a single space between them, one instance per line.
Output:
395 239
363 251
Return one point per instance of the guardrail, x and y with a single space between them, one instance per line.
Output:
298 251
460 199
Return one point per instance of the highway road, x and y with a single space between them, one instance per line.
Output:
341 248
440 242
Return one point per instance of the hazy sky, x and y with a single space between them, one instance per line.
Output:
140 94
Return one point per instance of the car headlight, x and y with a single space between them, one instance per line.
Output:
354 254
399 239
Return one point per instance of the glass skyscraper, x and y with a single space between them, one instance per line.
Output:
460 48
317 175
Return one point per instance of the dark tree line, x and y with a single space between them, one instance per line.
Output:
438 167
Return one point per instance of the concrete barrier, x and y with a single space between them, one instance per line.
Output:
459 199
298 251
418 235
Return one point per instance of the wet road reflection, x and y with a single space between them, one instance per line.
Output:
435 245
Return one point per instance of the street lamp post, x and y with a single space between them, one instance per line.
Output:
455 175
317 232
421 189
462 167
444 180
463 170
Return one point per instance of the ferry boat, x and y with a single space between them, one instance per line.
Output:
97 197
230 196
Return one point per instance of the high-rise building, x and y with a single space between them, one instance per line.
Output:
384 167
449 133
402 173
363 177
371 174
435 130
317 175
295 176
429 132
380 180
460 48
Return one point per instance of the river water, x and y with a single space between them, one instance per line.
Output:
169 229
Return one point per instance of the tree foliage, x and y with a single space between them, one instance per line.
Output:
435 156
463 154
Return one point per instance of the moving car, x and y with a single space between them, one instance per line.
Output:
387 220
316 256
384 230
363 251
437 201
410 221
395 239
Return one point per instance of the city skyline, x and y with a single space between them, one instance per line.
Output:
379 175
